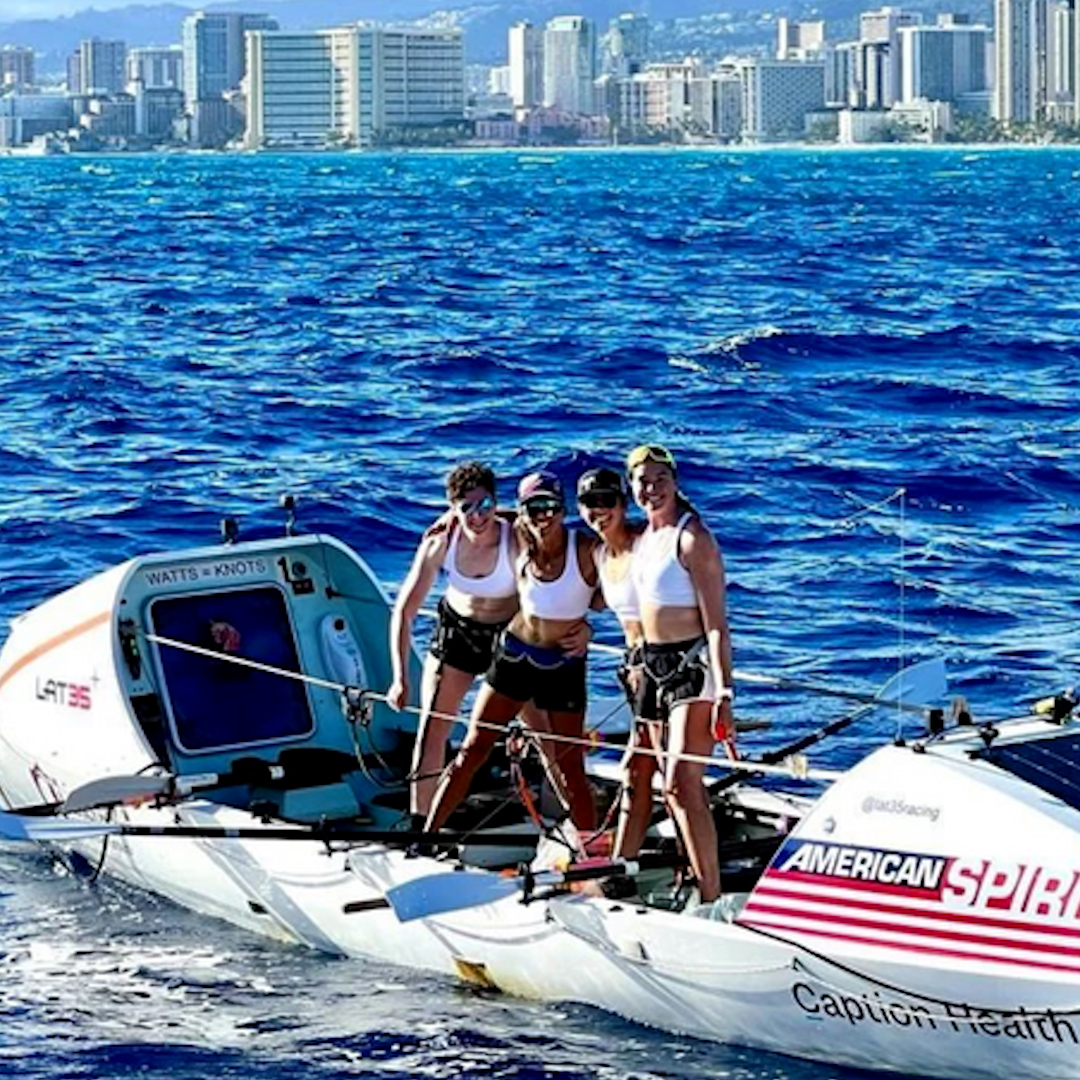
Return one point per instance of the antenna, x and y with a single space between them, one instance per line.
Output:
288 504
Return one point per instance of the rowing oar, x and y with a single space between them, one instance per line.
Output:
117 790
109 791
19 827
910 689
130 790
455 890
929 674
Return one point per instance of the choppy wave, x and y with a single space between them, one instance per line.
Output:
186 338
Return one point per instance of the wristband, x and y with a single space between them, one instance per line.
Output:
725 693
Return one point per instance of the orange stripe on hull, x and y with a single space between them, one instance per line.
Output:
53 643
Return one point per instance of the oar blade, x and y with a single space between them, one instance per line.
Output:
437 894
917 684
114 790
50 830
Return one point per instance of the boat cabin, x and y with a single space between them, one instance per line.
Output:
244 661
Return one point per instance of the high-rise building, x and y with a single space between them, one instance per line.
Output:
777 95
799 40
570 65
215 61
158 111
526 61
626 45
157 68
879 63
302 88
16 68
943 62
882 25
1076 64
806 41
97 67
841 85
498 80
214 52
676 99
351 85
727 104
24 117
1020 42
1061 60
409 78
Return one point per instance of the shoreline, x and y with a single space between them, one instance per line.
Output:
541 152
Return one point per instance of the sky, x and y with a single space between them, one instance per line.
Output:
14 10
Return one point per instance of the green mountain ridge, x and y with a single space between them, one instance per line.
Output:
704 27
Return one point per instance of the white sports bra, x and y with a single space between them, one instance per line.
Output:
569 596
620 594
661 580
498 584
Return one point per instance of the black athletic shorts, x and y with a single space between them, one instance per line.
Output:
547 677
463 643
674 672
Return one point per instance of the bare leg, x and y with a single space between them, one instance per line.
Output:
491 708
441 691
535 717
570 758
635 812
689 732
538 721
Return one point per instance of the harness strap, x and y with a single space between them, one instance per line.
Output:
687 659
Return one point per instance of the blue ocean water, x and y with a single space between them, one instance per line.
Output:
188 337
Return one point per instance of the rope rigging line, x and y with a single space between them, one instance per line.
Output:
903 602
358 695
899 496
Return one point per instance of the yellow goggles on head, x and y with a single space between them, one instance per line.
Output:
660 455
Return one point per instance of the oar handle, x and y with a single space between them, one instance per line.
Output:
772 756
590 872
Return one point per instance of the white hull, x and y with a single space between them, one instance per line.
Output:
923 918
671 971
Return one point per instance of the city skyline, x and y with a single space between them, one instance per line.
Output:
250 82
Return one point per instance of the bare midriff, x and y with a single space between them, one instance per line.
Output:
536 630
662 625
484 609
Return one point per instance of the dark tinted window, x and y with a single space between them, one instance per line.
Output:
216 704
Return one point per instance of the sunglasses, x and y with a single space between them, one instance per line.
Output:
481 506
539 507
594 500
641 454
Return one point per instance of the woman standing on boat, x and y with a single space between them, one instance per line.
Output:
679 575
477 550
541 655
602 497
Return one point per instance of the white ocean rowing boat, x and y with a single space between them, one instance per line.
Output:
204 725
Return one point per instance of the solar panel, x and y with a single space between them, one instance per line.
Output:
1052 765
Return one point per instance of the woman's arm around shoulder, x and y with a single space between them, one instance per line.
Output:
587 547
425 567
